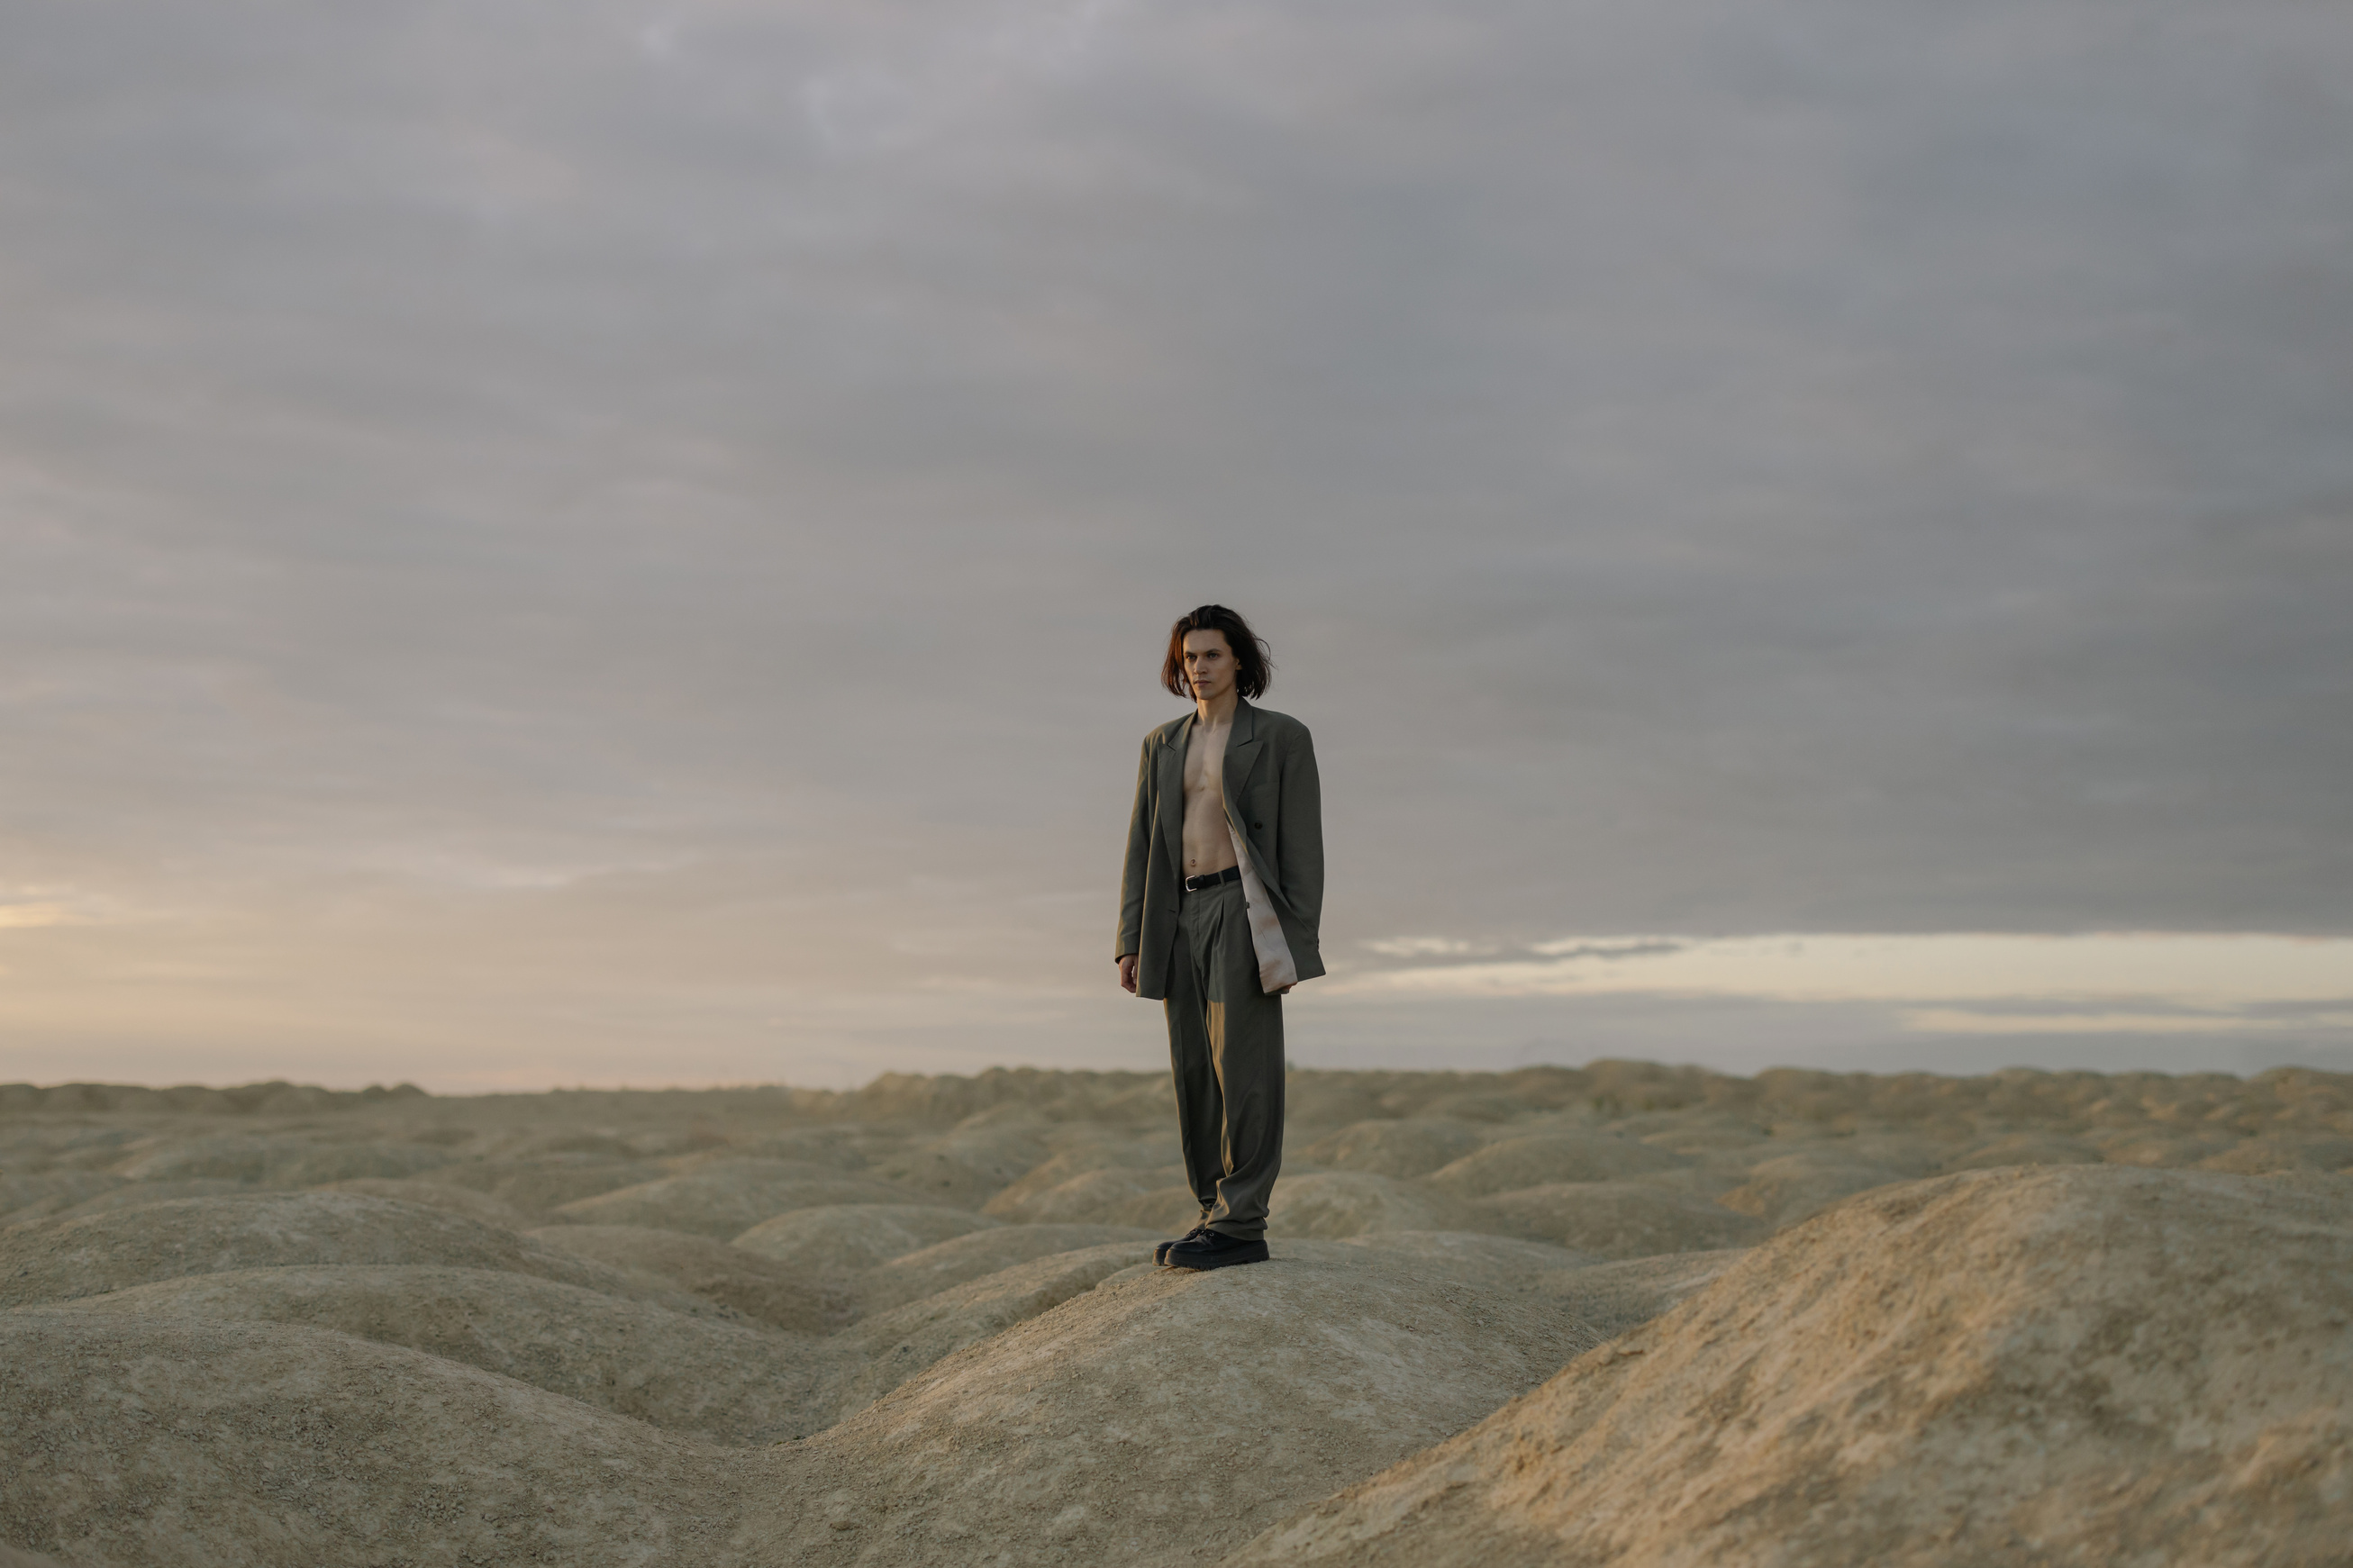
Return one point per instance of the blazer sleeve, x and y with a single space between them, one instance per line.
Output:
1301 840
1139 849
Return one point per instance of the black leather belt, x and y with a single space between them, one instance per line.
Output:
1197 884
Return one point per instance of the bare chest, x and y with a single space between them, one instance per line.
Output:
1205 759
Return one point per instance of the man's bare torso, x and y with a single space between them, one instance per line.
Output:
1208 846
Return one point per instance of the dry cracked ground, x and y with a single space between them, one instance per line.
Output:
1625 1314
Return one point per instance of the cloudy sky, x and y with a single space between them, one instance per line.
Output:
616 542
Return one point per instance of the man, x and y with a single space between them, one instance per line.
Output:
1218 913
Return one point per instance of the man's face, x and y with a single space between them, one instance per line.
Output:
1209 665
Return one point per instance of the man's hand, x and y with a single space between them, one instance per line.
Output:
1127 975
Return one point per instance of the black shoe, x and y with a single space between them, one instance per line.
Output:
1160 1253
1214 1249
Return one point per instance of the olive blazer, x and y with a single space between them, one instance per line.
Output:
1274 808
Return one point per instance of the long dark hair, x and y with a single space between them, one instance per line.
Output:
1249 651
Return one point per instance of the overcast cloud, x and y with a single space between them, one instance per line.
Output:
624 543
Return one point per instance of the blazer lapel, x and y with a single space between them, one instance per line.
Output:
1242 750
1170 767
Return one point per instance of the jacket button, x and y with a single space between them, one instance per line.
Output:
1258 824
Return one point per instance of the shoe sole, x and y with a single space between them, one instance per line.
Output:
1254 1253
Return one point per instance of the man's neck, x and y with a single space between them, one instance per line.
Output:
1215 712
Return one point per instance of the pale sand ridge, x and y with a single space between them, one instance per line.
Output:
1626 1314
2074 1366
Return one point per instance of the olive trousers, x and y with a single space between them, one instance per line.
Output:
1225 1049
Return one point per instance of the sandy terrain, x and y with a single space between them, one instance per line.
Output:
1625 1315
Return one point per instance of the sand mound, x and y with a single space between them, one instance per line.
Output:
1400 1148
1111 1429
1618 1219
760 1288
850 1238
952 1263
1475 1105
1615 1297
727 1199
841 1146
2167 1147
1105 1195
902 1342
284 1162
2284 1152
1080 1152
1167 1211
28 1148
1701 1133
131 1194
53 1261
967 1167
1466 1258
1512 1163
512 1145
714 1376
1909 1155
352 1162
2067 1365
538 1186
2024 1149
43 1193
1707 1176
440 1196
173 1443
236 1156
1901 1374
1331 1206
1795 1186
